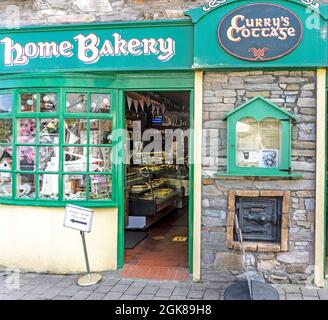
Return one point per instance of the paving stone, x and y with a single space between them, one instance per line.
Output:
198 287
133 290
51 293
161 298
125 282
180 291
168 285
128 297
3 296
164 292
81 295
61 298
104 289
310 298
212 294
195 294
112 296
183 285
120 288
178 297
309 291
293 296
138 283
96 296
29 296
323 294
16 295
145 297
149 290
42 288
70 291
110 282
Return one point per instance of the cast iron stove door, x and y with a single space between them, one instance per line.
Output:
259 218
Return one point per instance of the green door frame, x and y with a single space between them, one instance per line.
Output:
121 174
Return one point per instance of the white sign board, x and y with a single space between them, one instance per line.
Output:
78 218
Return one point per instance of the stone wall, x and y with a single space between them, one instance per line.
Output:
296 92
35 12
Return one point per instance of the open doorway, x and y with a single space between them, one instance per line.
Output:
157 185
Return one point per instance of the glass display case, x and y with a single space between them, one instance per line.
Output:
152 194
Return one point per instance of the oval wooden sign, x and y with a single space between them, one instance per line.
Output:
260 32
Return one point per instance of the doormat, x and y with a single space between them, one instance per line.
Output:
180 239
133 238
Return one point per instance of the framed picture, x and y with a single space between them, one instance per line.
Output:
269 158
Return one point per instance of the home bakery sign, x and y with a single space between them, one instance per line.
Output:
138 46
260 32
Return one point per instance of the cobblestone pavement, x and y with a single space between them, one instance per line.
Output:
63 287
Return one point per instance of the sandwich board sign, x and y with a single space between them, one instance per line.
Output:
78 218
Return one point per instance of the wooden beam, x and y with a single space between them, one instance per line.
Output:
198 126
320 239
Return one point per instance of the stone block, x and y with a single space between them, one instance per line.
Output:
297 257
268 247
286 202
247 193
271 193
230 218
248 246
284 239
306 102
284 221
228 261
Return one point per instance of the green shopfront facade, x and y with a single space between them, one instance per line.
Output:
266 73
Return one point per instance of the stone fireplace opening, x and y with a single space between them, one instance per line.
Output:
263 220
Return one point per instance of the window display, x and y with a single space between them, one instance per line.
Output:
6 102
49 131
48 102
258 143
26 131
100 103
60 158
76 102
28 102
6 131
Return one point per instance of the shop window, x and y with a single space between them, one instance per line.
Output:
259 140
52 151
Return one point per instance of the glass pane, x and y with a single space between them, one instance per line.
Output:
76 102
6 131
48 186
6 103
26 130
5 184
49 131
6 158
270 143
100 103
75 187
26 186
48 102
100 131
75 131
247 143
100 187
26 158
75 159
100 159
28 102
49 159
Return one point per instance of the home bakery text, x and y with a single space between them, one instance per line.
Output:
90 48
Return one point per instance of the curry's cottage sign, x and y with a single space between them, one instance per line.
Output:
90 48
260 32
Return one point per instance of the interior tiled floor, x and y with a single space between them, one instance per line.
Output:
158 257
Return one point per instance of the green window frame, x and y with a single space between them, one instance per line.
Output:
259 109
91 171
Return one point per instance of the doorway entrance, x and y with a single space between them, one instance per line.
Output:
157 185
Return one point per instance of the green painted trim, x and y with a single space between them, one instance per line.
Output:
249 174
264 100
191 184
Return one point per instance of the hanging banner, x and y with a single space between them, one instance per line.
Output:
260 32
